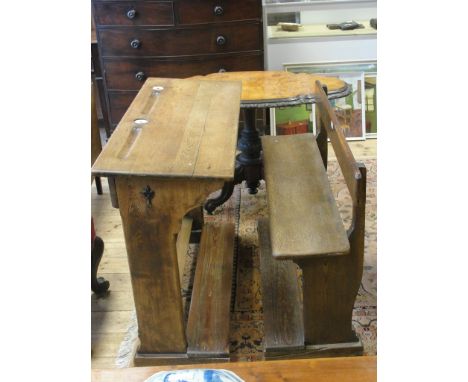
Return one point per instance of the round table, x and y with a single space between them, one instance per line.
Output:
260 90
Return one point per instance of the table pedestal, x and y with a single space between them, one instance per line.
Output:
248 162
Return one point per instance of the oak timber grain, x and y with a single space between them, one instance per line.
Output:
150 236
343 153
281 294
209 316
192 127
347 369
330 285
304 218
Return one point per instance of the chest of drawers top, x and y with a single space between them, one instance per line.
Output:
144 13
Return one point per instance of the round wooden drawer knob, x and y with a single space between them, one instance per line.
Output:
135 43
140 76
218 10
221 40
131 14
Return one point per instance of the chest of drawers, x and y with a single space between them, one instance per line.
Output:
176 39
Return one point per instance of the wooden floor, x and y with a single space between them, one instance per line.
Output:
110 315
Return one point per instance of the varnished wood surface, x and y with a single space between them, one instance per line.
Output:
111 314
331 284
190 40
304 218
191 131
277 85
150 236
209 316
348 369
282 302
344 155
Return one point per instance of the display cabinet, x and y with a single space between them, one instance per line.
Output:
314 48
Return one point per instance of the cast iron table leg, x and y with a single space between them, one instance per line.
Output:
249 162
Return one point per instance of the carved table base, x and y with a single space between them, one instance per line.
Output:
248 163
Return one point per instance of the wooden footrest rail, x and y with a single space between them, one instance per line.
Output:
305 226
209 315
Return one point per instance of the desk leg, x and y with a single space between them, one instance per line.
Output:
152 211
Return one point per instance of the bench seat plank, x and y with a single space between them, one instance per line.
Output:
304 218
209 315
282 305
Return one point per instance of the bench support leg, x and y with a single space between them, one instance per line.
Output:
329 291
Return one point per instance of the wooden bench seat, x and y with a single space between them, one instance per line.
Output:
304 219
209 315
305 226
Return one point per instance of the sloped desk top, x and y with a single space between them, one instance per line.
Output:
176 128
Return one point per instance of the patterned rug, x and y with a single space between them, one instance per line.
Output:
247 316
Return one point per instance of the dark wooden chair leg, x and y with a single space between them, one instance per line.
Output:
98 284
97 179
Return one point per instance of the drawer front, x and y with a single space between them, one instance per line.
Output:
134 13
217 11
132 73
176 42
118 104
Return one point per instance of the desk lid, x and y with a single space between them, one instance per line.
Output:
176 128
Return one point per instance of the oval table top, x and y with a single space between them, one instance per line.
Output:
261 89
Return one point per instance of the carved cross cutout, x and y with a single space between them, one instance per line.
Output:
148 193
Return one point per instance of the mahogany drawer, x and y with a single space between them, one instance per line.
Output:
132 73
134 13
118 104
210 39
217 11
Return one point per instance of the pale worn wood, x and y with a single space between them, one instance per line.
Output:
113 300
192 127
281 299
106 344
209 316
182 243
348 369
341 148
330 285
150 235
274 85
304 219
110 322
